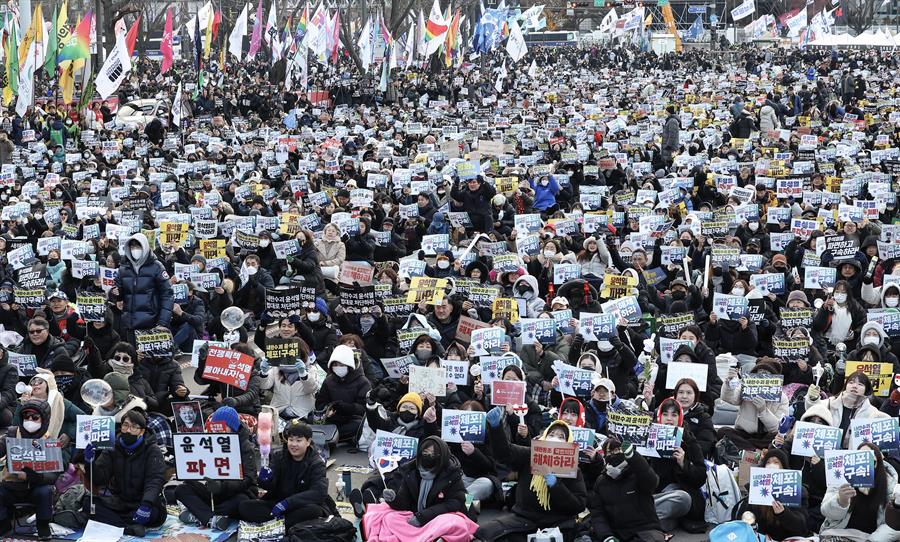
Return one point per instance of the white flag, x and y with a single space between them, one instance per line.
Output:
797 23
177 107
608 24
271 28
743 10
236 39
114 69
26 83
366 45
516 46
301 59
435 30
500 77
532 70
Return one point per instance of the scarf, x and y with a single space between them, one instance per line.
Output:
424 488
841 320
541 490
126 369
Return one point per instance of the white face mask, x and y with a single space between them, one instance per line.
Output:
31 426
604 346
341 371
137 253
553 439
251 270
549 253
314 316
264 243
870 340
840 298
753 226
737 291
443 264
892 301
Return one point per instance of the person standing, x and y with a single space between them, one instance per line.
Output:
670 135
143 284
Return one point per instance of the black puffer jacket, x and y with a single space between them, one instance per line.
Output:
360 248
447 493
347 396
46 352
162 376
145 288
9 377
300 482
624 506
568 496
133 478
247 401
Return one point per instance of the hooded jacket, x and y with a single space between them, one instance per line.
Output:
447 494
18 431
747 418
713 382
145 288
534 304
347 396
624 506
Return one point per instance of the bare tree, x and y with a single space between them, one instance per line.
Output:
860 14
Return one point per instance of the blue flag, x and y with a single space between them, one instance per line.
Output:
695 32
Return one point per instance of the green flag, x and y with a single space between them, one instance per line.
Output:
50 50
12 62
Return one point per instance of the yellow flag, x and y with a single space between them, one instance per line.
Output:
35 31
67 78
62 32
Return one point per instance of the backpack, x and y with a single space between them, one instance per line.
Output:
727 453
733 531
721 493
330 529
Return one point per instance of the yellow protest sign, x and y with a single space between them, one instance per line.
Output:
212 248
506 307
616 286
426 290
880 374
173 233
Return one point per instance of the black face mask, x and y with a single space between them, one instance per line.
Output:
407 416
600 404
63 382
52 261
128 439
686 242
678 295
429 461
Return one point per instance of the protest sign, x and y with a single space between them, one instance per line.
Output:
392 444
814 439
355 272
99 431
92 308
425 380
885 432
229 367
457 371
625 307
667 348
856 468
188 417
698 372
489 340
793 350
39 455
879 373
557 458
33 277
796 318
819 278
30 299
505 307
628 427
465 327
281 302
542 330
269 531
574 381
357 300
507 392
208 455
665 439
782 485
585 437
463 426
280 350
670 325
492 367
597 326
730 307
840 248
154 343
397 367
768 283
766 387
26 364
426 290
890 321
616 286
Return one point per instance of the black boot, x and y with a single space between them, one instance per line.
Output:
43 529
136 529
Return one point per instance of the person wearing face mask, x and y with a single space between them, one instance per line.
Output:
294 384
679 290
133 473
840 316
886 296
735 337
621 503
55 268
343 393
122 399
306 264
188 320
408 420
443 266
424 500
519 430
144 286
603 398
9 377
545 192
688 354
851 402
69 379
757 419
332 251
613 358
590 461
525 291
860 514
246 401
29 486
250 294
317 331
63 414
542 500
872 338
778 522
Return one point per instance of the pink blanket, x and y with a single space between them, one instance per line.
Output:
381 523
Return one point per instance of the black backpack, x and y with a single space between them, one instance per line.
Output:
331 529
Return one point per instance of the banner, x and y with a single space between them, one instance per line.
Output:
463 426
229 367
668 347
782 485
840 248
814 439
208 455
26 364
767 387
100 431
626 307
856 468
40 455
426 290
557 458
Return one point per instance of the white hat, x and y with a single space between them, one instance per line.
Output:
599 382
343 354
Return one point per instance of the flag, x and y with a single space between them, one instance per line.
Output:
498 85
12 66
114 70
435 30
198 46
165 46
420 34
32 36
366 45
385 75
302 61
608 23
256 37
796 23
131 38
26 79
79 44
532 70
207 32
388 463
695 32
62 31
236 39
669 18
516 46
177 107
50 54
334 41
271 30
451 45
216 21
302 23
67 77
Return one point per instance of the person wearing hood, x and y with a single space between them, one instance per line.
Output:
614 358
696 416
253 281
315 328
872 335
778 522
859 514
424 499
9 377
411 418
132 473
853 402
30 486
590 461
343 393
757 419
526 293
840 316
100 339
678 497
331 251
245 401
197 496
445 266
735 337
476 200
687 354
438 225
504 215
144 286
542 500
621 502
517 430
122 399
360 247
69 379
63 419
295 482
594 258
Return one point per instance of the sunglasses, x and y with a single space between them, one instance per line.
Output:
125 358
36 331
31 417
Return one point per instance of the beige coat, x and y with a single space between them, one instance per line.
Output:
331 253
748 416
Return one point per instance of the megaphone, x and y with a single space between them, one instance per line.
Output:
23 389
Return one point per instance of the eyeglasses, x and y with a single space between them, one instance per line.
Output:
31 417
124 358
128 426
37 331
